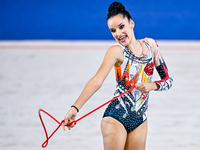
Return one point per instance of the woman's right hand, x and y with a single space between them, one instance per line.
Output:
69 118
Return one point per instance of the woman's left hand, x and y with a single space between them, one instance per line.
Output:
146 87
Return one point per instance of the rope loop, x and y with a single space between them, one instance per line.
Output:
60 123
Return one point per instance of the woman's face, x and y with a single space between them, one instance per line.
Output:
121 29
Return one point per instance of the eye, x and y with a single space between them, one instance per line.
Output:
113 31
121 27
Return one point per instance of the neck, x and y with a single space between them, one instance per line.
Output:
135 46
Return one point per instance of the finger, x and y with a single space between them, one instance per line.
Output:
63 127
66 122
141 89
139 86
71 125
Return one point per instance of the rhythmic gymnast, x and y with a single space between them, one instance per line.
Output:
124 123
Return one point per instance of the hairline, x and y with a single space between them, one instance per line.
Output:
124 16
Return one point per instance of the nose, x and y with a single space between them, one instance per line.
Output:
118 32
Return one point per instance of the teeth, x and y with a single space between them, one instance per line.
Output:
121 37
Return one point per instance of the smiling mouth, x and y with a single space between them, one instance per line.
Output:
122 39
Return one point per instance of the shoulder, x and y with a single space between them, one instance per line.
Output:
116 49
116 54
152 43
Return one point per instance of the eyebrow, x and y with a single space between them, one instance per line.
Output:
118 25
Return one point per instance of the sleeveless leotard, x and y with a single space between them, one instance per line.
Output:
131 108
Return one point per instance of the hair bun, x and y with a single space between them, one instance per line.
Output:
116 6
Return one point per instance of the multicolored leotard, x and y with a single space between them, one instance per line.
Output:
131 108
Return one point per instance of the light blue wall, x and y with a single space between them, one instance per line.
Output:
86 19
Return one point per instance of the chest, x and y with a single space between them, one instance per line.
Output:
137 68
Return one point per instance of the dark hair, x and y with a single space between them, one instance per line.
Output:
117 8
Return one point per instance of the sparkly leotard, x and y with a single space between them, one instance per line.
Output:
131 108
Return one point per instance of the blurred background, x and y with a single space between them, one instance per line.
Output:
86 20
49 49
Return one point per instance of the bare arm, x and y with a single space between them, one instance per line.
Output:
114 55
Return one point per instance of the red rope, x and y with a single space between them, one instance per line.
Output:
60 123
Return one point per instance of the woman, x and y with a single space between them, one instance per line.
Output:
124 124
